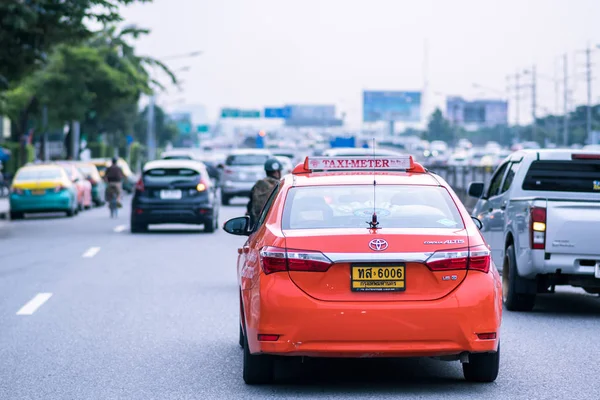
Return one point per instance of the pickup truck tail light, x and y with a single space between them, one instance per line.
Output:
276 259
476 258
537 228
139 186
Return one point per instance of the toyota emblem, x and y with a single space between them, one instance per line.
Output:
378 244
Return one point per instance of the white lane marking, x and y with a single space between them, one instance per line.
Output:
34 304
120 228
91 252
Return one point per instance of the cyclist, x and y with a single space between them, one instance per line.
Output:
114 177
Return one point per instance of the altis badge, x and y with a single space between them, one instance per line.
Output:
449 241
596 185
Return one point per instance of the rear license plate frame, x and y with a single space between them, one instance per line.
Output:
170 194
38 192
364 287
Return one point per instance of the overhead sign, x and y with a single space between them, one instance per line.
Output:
239 113
314 122
202 128
477 112
312 112
184 127
391 106
277 112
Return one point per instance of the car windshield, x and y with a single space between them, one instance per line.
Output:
171 174
178 157
38 174
247 159
350 206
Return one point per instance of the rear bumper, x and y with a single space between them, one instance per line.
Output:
234 188
314 328
62 201
568 264
197 214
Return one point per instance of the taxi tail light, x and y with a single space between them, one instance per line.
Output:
487 336
537 228
477 258
139 186
268 338
276 259
59 189
16 190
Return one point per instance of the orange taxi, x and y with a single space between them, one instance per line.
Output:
366 257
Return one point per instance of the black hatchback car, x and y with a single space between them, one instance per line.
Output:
174 192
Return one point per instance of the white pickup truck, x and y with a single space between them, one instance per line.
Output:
541 217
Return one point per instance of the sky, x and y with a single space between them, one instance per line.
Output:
259 53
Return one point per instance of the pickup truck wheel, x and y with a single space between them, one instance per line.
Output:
482 367
513 300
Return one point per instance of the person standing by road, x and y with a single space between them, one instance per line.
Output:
114 177
263 188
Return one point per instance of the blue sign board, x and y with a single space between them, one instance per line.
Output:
391 106
277 112
184 127
129 139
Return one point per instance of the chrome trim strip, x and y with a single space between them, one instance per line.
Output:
378 257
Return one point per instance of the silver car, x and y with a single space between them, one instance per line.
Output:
243 167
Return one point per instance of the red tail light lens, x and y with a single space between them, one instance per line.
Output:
17 191
268 338
228 170
59 189
477 258
276 259
139 186
487 336
202 185
537 228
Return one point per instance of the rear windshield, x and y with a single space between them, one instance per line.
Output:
171 174
179 157
564 176
351 206
247 159
38 174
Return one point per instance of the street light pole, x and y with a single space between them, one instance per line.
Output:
588 53
566 103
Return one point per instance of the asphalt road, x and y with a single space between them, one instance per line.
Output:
155 316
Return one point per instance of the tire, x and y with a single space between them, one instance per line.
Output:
71 212
482 367
210 226
257 369
14 215
139 228
225 200
592 290
513 300
241 340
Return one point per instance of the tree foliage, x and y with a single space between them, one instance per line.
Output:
32 28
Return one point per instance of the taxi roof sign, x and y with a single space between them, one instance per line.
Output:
360 163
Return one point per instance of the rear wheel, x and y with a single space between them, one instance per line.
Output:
137 227
225 199
258 369
211 225
16 215
513 300
241 339
482 367
71 212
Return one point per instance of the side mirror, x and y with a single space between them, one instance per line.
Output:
220 166
478 223
238 226
476 189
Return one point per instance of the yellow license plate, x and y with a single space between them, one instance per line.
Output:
38 192
374 278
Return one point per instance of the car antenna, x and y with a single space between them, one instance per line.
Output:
374 224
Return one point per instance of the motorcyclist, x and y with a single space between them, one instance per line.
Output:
263 188
114 177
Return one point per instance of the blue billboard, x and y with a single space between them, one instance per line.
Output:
391 106
277 112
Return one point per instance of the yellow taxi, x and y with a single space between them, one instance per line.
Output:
42 188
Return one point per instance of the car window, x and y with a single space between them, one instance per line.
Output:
171 174
564 176
266 208
510 176
350 206
247 159
38 174
497 181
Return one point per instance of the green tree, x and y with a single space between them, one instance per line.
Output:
30 30
438 128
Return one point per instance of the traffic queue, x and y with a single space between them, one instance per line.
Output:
61 186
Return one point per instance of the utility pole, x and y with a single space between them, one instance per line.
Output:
588 62
556 101
150 139
533 101
566 102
